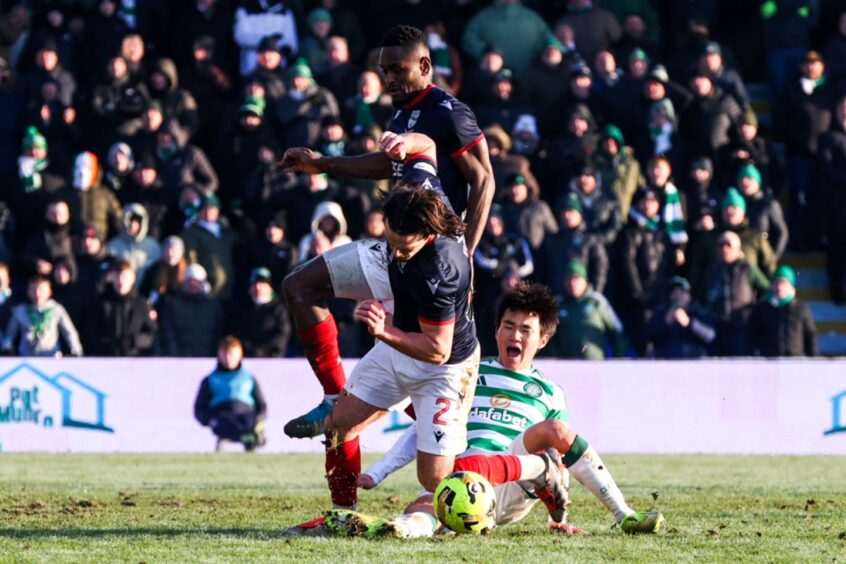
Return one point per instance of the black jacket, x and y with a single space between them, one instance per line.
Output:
575 244
674 341
783 331
119 326
263 329
647 259
190 325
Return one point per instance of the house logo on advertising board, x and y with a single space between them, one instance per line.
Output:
838 414
30 397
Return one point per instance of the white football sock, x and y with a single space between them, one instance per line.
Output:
531 466
331 398
592 473
416 525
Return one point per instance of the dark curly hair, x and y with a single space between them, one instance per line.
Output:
405 36
534 299
414 210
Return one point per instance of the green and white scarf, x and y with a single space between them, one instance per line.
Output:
673 215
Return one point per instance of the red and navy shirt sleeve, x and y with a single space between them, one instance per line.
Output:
435 296
465 132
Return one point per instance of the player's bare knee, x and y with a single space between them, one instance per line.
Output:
559 434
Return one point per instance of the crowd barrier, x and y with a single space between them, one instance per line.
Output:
146 405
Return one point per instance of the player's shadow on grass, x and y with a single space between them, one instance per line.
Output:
251 533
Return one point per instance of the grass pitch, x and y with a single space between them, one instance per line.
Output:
233 507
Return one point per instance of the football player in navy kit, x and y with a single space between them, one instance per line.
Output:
428 353
359 270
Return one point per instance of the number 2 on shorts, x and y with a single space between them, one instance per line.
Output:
436 420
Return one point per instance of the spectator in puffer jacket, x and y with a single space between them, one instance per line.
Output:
230 401
764 211
601 210
91 203
39 322
782 324
134 245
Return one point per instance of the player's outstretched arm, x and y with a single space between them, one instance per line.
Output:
475 166
375 166
399 146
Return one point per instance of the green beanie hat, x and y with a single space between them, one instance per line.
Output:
572 202
300 68
552 41
576 268
253 105
33 139
638 53
787 273
319 15
611 131
734 198
751 171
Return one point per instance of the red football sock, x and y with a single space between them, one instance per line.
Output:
321 347
343 466
497 468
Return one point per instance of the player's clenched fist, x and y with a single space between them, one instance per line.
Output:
300 159
394 145
372 314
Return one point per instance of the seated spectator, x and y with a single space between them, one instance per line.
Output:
782 324
57 121
145 139
659 179
262 323
92 262
499 253
117 104
181 164
210 243
210 84
647 261
660 137
328 230
37 324
40 181
525 214
133 51
700 194
616 167
601 210
269 73
190 322
167 275
711 118
711 64
587 324
678 329
146 188
573 242
730 289
121 324
764 211
568 153
230 401
303 109
748 147
134 245
49 67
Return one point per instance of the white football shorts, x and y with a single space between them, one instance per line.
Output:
359 271
441 394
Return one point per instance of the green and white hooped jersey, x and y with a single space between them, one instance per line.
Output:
507 403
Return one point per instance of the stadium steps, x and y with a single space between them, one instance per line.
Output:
812 286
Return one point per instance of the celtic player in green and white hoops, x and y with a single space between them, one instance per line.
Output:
516 410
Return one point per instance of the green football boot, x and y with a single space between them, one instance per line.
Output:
348 523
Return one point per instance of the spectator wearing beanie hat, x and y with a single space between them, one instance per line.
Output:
303 109
190 321
587 324
269 73
764 212
314 45
210 243
616 167
782 324
546 81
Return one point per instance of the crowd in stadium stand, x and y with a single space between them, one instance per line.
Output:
143 210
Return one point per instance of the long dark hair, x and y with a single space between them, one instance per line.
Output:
414 210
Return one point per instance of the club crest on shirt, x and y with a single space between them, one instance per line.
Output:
412 119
